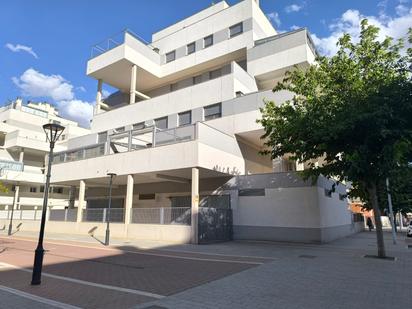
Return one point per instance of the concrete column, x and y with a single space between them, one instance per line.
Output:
82 191
21 155
98 96
195 205
133 76
129 199
16 196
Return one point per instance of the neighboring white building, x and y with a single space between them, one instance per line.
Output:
182 132
23 149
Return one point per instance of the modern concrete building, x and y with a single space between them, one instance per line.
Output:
182 137
23 149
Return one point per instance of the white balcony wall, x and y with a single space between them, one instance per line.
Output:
217 90
25 176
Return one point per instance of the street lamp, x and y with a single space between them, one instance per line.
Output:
53 132
106 241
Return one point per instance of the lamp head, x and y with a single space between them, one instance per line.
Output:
53 131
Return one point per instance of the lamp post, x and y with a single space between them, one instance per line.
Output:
16 193
107 239
53 132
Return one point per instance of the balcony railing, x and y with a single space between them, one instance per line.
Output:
11 166
129 141
162 215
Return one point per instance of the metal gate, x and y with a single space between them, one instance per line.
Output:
215 224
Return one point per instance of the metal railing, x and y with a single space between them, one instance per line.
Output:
161 215
21 214
66 215
101 214
129 141
11 165
114 41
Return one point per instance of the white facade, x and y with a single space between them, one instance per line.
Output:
23 150
182 126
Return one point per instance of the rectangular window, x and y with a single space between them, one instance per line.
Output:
102 137
171 56
236 30
197 79
208 41
149 196
58 190
41 189
251 192
33 189
185 118
173 87
161 123
215 73
119 130
191 48
213 111
138 126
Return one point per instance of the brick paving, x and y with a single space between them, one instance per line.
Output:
226 275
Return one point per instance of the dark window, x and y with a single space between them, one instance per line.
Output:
208 41
149 196
213 111
236 30
138 126
119 130
171 56
102 137
173 87
328 193
191 48
41 189
161 123
185 118
197 79
252 192
215 73
33 189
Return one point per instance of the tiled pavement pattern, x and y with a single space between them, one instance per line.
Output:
291 275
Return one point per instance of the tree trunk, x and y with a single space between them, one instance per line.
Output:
373 198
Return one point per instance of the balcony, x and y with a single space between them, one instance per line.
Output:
11 166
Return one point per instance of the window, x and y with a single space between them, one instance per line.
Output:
119 130
185 118
138 126
197 79
58 190
191 48
251 192
102 137
161 123
235 30
328 193
33 189
13 188
173 87
208 41
171 56
149 196
215 74
213 111
41 189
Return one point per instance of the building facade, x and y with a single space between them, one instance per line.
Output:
181 135
23 150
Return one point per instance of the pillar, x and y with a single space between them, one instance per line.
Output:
98 96
133 75
16 196
80 206
21 155
129 200
195 205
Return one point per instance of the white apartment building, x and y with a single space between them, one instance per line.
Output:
182 137
23 149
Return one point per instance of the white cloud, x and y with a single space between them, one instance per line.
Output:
35 84
81 88
293 8
18 48
395 27
294 27
274 17
76 110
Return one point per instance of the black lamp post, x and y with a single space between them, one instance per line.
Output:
107 239
53 132
12 212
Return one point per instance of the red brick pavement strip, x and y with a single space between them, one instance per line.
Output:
164 275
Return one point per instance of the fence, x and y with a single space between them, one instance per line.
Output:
67 215
215 224
102 215
162 215
21 214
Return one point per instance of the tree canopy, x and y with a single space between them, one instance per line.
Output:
353 110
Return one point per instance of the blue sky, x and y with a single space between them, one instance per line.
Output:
45 44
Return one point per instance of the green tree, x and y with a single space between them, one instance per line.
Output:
353 110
